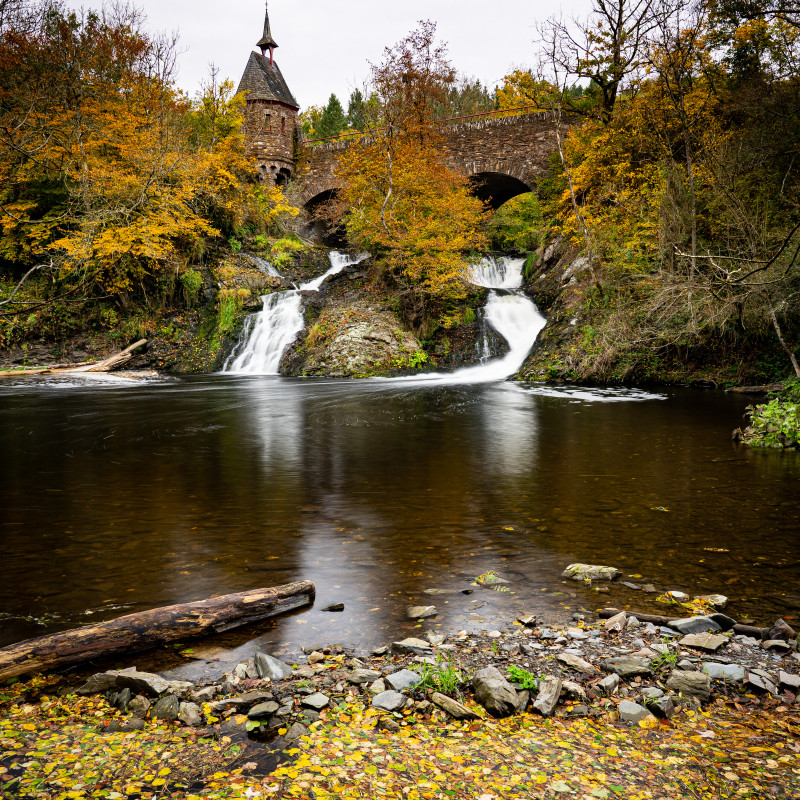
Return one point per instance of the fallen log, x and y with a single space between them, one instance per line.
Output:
657 619
147 629
117 360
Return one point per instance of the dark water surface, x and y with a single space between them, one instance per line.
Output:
119 496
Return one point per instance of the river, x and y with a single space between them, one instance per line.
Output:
124 495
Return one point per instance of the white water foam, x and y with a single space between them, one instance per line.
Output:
588 394
268 334
263 265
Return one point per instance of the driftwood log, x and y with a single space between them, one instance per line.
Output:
112 362
147 629
657 619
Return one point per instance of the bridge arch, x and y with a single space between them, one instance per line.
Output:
497 188
329 234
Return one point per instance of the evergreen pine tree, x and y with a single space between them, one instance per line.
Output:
333 121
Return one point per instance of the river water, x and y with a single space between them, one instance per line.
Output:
122 495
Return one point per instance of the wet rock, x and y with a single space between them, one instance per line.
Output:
360 676
782 630
704 641
421 612
609 684
494 692
616 623
332 607
724 672
139 682
139 706
453 707
590 572
692 684
632 712
189 714
271 667
402 679
296 730
628 666
389 700
263 710
242 700
717 601
490 579
317 701
648 588
379 651
577 663
678 597
166 707
629 585
412 646
547 698
662 707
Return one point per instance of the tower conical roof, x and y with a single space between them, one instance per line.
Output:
264 81
266 41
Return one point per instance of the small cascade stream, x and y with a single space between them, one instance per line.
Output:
268 334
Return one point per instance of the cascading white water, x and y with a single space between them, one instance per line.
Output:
268 334
264 265
498 273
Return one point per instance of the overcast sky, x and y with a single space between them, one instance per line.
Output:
325 45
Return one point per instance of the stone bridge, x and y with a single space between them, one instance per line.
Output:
502 156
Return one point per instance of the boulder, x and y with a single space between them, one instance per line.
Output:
616 623
724 672
421 612
139 706
609 684
577 663
782 630
167 707
695 625
661 707
789 681
189 714
704 641
547 698
317 701
146 683
453 707
271 667
494 692
360 676
263 710
628 666
389 701
590 572
632 712
692 684
296 730
402 679
574 691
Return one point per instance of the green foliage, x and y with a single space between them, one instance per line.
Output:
444 677
416 359
356 111
192 282
777 422
518 225
333 120
283 251
668 659
527 680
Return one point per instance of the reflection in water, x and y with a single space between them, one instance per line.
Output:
143 495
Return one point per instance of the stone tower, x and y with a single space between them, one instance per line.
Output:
270 116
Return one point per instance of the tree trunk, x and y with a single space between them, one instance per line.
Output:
147 629
657 619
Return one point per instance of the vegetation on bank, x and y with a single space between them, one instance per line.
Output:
776 422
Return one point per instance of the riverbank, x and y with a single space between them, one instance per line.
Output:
614 708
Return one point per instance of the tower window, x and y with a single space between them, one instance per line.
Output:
268 122
283 124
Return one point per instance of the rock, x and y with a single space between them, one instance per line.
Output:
120 700
528 620
574 691
189 714
616 623
246 699
435 639
782 630
577 663
204 695
577 634
628 666
581 710
402 679
133 725
453 707
271 667
714 600
315 657
360 676
760 683
704 641
138 682
317 701
494 692
388 724
304 671
412 646
778 645
240 671
547 698
695 625
296 730
331 607
633 622
389 701
632 712
166 707
678 597
380 651
724 672
629 585
686 665
652 693
788 681
590 572
377 687
648 588
523 698
421 612
661 707
263 710
139 706
609 684
693 684
490 579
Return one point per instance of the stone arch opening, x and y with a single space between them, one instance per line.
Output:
496 188
320 227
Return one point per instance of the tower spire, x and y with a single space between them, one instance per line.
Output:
267 42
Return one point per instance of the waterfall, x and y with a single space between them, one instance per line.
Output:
267 335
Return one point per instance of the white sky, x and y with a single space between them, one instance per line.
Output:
325 45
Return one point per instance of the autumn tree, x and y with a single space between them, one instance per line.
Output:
402 202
